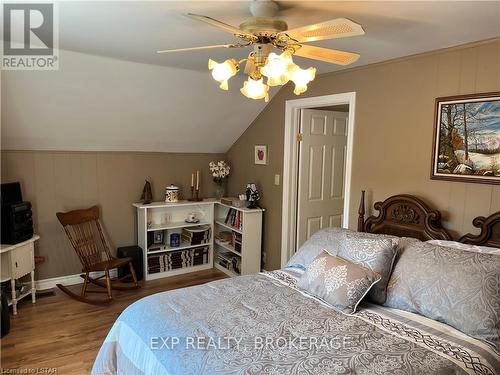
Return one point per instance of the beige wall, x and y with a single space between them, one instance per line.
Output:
392 138
392 154
61 181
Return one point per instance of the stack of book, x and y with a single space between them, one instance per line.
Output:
196 235
234 218
229 261
236 241
178 259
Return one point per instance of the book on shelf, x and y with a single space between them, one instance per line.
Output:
178 259
234 218
236 241
196 235
229 261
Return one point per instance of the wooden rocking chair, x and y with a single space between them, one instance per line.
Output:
85 233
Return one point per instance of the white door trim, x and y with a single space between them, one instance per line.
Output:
290 163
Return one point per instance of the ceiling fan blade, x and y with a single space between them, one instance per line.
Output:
328 55
224 26
337 28
200 48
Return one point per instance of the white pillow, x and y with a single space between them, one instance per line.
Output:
466 247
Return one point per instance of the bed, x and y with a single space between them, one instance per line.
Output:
266 324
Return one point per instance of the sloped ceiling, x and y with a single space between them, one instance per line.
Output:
112 92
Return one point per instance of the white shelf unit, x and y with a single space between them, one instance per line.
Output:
170 217
251 238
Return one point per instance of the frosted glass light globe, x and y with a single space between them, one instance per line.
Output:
255 89
223 71
277 68
301 77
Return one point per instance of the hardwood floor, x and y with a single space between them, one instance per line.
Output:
61 333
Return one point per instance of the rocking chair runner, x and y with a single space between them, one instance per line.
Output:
85 233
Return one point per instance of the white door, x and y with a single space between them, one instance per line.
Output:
322 154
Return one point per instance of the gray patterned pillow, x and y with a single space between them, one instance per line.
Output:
338 282
375 254
329 239
325 239
457 287
464 246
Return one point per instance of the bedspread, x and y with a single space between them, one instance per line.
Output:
262 324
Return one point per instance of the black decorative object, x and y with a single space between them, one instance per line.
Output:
147 194
252 195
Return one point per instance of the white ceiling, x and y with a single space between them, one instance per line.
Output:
112 92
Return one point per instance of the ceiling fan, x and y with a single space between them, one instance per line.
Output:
264 32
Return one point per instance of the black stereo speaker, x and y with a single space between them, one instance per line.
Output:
11 193
17 221
134 252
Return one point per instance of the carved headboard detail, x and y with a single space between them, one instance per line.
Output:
405 216
490 231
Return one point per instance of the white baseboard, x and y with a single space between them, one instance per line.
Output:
67 280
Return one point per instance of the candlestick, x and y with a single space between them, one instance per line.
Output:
194 195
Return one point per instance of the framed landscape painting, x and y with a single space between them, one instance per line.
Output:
467 138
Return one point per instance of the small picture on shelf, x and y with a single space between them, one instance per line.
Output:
158 237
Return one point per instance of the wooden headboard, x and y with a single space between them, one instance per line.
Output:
408 216
404 216
490 231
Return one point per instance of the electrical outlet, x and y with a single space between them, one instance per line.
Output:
277 179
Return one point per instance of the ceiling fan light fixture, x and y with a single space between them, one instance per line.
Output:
301 77
255 89
262 33
221 72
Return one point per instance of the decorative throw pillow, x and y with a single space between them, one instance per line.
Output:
375 254
338 282
457 287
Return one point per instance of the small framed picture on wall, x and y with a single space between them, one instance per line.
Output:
260 154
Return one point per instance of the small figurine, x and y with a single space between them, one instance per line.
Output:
252 195
147 194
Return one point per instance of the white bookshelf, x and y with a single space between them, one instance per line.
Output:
250 232
170 217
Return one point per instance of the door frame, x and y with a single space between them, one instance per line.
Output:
290 163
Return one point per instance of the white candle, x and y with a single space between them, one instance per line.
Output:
192 179
198 180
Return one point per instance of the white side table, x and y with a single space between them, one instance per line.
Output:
18 260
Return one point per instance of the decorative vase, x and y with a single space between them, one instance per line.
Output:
171 194
220 190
